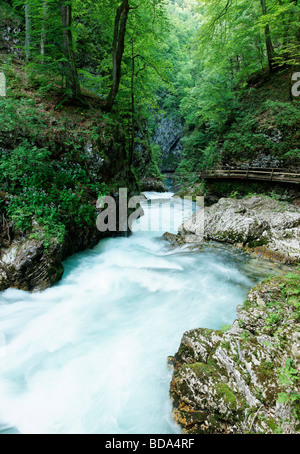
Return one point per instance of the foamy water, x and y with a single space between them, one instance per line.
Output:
90 354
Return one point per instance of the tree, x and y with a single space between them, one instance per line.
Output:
269 45
43 30
69 66
27 29
117 53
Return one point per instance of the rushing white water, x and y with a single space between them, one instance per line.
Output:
90 354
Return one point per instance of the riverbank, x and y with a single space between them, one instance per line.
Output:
28 263
258 224
244 379
55 163
82 355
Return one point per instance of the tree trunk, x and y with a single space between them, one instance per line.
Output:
43 31
27 30
118 51
69 67
131 147
269 45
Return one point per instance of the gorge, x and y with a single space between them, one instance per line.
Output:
89 355
188 324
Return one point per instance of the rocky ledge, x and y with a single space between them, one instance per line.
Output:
153 184
29 263
245 379
26 263
259 224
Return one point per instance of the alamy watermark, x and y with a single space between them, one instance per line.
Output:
296 85
128 214
2 84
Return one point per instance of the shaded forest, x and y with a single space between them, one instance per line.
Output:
88 83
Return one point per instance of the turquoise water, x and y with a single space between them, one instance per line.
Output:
90 354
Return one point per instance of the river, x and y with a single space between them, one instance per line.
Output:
89 355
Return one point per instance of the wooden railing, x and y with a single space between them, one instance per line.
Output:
258 174
251 173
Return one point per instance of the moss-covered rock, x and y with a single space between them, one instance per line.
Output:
246 379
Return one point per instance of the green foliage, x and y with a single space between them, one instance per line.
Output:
224 328
52 194
201 60
227 117
283 114
289 380
275 317
153 168
234 194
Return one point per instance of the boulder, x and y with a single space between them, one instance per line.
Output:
259 224
245 379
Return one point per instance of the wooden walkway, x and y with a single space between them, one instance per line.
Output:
251 173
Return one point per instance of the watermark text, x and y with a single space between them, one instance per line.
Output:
296 85
140 214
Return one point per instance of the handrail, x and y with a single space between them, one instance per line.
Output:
271 174
247 172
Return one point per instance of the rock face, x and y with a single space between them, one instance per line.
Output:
268 161
27 265
153 184
259 224
168 135
244 380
